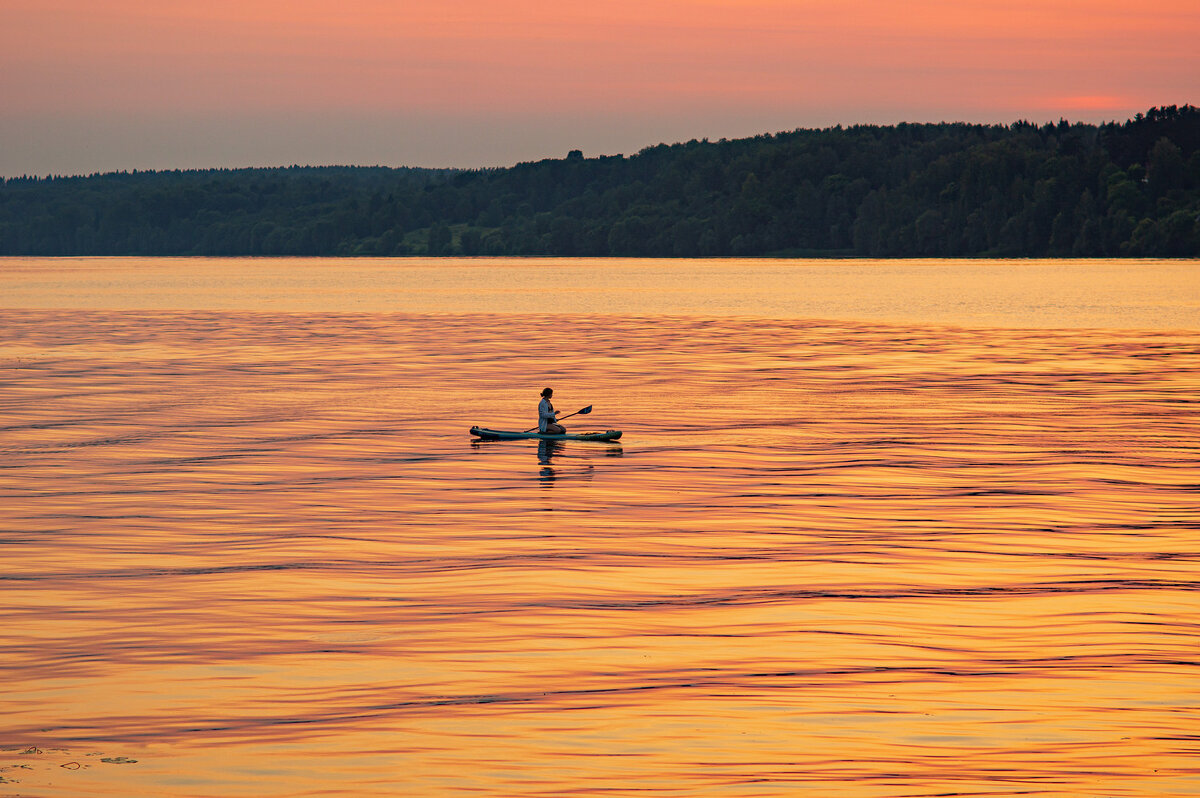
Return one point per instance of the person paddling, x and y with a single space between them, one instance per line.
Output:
548 416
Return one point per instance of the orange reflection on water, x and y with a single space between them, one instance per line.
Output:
259 554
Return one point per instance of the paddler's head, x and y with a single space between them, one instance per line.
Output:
547 392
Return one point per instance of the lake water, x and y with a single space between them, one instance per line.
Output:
875 528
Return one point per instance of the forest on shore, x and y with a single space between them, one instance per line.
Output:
910 190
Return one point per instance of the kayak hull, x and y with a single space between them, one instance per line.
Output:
504 435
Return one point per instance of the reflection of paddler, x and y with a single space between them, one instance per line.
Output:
546 450
548 416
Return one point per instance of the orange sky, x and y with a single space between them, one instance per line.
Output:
465 82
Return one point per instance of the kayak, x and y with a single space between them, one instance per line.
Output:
503 435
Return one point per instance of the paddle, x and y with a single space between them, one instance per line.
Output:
582 412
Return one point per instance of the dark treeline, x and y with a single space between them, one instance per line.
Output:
1023 190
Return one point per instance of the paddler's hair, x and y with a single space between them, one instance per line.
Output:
547 391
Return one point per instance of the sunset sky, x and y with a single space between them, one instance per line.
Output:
98 85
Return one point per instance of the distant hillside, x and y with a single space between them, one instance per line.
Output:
1120 189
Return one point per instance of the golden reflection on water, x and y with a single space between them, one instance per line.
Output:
259 554
1054 293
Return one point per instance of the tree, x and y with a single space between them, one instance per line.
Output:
1164 168
439 241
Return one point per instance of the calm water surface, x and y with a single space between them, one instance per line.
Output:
875 528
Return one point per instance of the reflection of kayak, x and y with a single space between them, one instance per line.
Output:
501 435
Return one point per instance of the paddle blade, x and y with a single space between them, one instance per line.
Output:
584 411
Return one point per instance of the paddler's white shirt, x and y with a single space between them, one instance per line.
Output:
545 414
